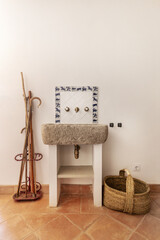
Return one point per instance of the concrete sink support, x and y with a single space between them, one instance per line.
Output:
74 134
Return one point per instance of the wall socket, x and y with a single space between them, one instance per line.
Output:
136 167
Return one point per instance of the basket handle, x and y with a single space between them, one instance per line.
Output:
128 207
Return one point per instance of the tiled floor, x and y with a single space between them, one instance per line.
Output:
75 218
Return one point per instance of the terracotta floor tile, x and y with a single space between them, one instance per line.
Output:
41 204
88 207
66 197
155 209
154 195
83 236
17 206
18 220
108 229
86 190
58 229
70 189
157 200
31 237
14 228
36 220
130 220
83 220
69 204
150 228
4 199
5 214
136 236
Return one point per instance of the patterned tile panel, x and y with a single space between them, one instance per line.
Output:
81 97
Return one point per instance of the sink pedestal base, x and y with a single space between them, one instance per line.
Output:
97 179
55 182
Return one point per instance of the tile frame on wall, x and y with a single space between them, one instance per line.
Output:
59 89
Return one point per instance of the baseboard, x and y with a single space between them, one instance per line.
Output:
67 189
155 188
12 189
7 189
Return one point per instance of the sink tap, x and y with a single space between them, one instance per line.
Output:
76 151
77 109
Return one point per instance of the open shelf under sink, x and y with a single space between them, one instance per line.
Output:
75 172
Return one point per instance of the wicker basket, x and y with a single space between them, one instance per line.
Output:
126 194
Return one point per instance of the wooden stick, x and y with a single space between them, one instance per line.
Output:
31 151
25 146
34 171
24 95
24 152
26 171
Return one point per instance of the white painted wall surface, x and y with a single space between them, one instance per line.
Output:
114 45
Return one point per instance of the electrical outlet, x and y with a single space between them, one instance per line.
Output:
136 167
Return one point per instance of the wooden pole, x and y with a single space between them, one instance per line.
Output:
24 152
25 98
31 151
25 145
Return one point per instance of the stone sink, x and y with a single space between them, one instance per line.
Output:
74 134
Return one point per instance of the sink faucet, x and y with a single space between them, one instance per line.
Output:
76 151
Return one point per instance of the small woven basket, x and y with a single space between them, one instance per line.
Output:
126 194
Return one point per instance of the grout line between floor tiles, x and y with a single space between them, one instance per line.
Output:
14 214
134 230
96 220
7 220
92 223
103 215
139 235
6 204
26 222
43 225
124 225
37 237
28 235
90 236
145 238
154 201
31 230
154 216
73 223
78 236
47 223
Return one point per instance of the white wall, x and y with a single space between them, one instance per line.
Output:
111 44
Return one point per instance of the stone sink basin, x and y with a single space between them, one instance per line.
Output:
74 134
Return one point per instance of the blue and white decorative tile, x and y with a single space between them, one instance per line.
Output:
72 97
